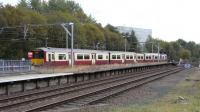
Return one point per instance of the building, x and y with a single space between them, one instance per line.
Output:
140 33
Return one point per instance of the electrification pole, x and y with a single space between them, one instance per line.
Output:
1 30
46 42
71 34
125 43
72 43
25 31
158 52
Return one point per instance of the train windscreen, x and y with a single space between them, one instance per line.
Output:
38 54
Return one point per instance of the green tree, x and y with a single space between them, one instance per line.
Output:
111 28
23 4
184 54
36 5
133 41
182 42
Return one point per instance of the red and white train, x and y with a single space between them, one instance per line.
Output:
62 56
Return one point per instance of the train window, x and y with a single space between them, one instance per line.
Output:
61 56
138 57
127 56
79 56
156 57
113 56
86 56
106 57
141 57
118 57
149 57
38 54
100 56
131 56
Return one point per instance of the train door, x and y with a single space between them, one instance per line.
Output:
70 61
49 57
135 58
109 57
93 58
123 58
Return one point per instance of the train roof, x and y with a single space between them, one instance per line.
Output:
151 53
52 49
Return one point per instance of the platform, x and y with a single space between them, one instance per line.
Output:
24 82
88 68
15 78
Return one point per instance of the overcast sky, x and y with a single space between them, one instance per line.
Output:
168 19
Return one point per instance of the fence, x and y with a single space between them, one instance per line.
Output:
11 66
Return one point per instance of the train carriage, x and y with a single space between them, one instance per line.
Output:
130 58
148 57
163 58
151 57
140 58
62 56
82 58
50 56
116 58
102 58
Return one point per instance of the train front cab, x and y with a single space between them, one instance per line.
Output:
36 57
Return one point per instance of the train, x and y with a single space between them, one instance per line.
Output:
62 56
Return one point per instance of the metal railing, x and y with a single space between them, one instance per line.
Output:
12 66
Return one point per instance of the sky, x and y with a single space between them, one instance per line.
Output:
168 19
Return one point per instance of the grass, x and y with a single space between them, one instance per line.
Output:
189 90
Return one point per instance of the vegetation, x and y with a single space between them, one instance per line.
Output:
43 19
175 49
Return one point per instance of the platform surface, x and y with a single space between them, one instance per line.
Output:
5 79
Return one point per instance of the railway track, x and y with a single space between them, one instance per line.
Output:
11 100
77 94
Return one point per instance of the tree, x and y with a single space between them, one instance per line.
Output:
23 4
94 35
184 54
133 41
36 5
182 42
111 28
